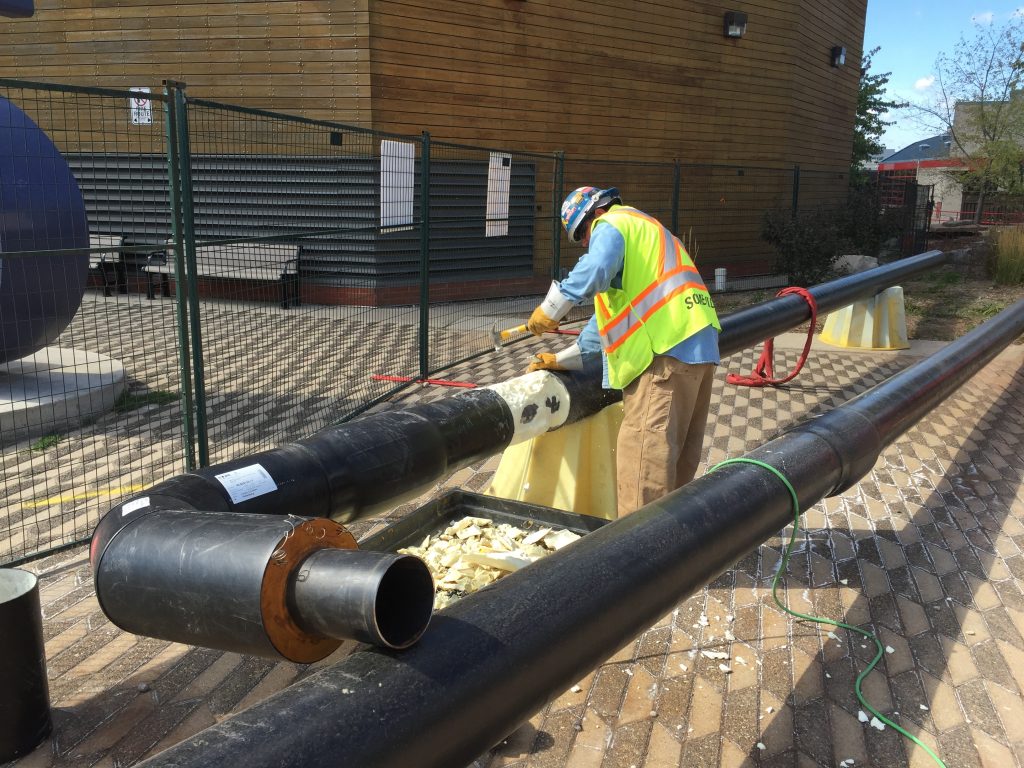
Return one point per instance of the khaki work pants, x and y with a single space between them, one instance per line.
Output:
665 410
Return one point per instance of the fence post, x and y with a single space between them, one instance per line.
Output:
425 256
675 196
189 237
796 189
557 195
174 186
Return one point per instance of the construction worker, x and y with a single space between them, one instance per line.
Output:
657 329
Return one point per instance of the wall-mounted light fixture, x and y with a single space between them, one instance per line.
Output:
838 56
735 24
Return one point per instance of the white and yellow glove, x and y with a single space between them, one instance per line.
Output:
569 359
546 317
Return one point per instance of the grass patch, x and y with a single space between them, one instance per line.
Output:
46 442
130 402
1008 255
944 277
981 309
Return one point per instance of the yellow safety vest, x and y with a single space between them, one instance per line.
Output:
663 299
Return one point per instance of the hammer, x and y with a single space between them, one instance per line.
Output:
499 336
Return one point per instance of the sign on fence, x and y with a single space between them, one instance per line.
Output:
141 107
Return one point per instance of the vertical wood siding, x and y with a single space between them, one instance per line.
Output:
639 80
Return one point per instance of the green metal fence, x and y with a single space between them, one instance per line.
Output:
257 276
98 413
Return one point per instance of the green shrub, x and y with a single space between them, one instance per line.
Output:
864 222
46 442
806 244
131 401
1008 255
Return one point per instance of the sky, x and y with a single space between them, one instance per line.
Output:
911 34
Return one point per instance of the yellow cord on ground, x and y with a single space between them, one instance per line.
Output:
69 497
819 619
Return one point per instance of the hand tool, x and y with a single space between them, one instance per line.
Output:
499 336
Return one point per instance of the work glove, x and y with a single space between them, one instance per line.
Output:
554 307
539 323
545 361
569 359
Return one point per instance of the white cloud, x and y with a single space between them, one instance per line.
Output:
924 83
983 19
1019 13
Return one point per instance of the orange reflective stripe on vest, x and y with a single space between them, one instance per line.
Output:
662 294
639 312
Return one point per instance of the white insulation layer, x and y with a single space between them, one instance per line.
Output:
539 403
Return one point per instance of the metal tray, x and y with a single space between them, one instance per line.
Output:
438 514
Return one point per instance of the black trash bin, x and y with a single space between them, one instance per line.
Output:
24 693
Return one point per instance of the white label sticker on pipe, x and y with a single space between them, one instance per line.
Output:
133 506
247 483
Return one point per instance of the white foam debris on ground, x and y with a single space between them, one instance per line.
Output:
862 716
714 654
876 723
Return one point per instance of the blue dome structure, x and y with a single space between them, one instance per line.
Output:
41 208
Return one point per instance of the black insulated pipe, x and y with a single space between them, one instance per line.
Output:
354 470
228 581
493 659
373 597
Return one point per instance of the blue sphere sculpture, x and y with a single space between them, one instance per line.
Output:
41 209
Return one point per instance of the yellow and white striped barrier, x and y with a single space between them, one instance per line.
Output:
876 323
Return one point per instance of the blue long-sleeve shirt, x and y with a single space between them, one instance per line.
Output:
600 268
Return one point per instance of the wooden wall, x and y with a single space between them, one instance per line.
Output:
301 56
632 79
629 80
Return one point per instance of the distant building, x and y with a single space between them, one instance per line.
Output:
925 162
872 162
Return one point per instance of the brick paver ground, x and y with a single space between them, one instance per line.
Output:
926 550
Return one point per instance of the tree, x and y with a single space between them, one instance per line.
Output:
869 122
977 104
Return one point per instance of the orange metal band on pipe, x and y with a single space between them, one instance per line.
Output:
290 640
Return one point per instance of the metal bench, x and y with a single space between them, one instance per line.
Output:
261 262
108 263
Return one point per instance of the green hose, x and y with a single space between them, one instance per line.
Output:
818 619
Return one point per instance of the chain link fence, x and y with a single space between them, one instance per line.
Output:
239 278
91 407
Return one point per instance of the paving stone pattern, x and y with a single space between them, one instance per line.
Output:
926 551
271 376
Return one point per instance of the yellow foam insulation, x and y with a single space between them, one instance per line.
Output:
572 468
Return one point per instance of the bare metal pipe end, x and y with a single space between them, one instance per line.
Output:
374 597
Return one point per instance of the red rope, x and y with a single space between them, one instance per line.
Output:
763 373
437 382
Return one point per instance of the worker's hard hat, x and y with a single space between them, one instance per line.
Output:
578 205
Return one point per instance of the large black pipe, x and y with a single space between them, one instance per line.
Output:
496 657
269 585
352 470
